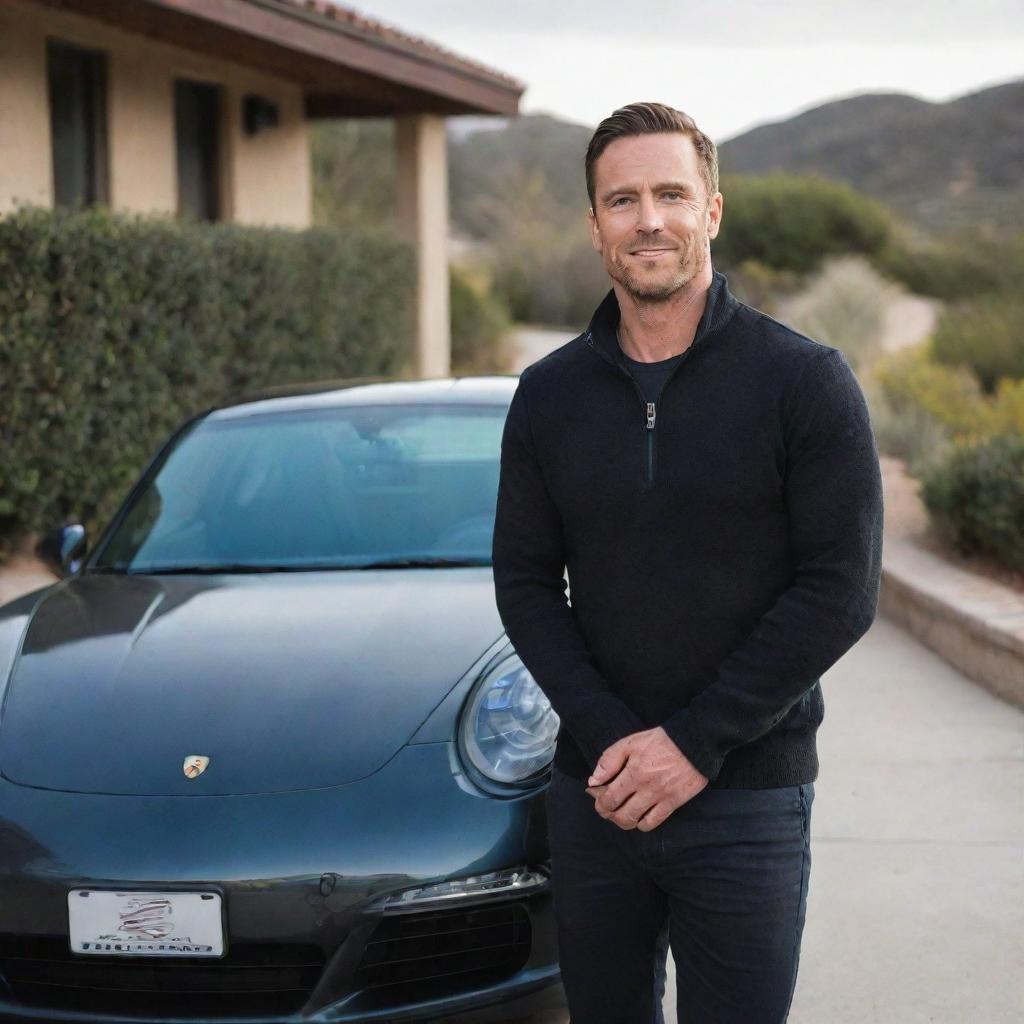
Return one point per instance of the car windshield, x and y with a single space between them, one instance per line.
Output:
330 488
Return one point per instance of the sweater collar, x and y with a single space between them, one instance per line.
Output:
718 308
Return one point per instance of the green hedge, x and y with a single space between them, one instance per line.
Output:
479 325
792 222
115 328
976 497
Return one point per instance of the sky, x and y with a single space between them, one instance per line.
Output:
730 64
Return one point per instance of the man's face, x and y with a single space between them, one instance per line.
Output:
652 221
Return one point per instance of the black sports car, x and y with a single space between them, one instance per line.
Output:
265 751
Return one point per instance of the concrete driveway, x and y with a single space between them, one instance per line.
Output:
916 899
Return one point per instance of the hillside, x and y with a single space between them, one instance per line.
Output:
531 168
941 164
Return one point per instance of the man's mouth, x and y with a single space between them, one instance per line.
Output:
649 252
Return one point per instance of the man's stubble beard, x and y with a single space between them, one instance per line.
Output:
693 257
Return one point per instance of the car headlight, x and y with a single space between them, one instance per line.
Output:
508 728
455 890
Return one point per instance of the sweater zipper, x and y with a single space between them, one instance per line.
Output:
650 408
651 412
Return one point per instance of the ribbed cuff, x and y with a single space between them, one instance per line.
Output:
608 721
693 744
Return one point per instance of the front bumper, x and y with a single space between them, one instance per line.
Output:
301 875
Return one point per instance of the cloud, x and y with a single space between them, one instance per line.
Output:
731 64
728 22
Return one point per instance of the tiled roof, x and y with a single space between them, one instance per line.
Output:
351 21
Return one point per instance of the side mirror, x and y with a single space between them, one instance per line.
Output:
62 549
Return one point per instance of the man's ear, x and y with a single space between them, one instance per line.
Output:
595 231
714 214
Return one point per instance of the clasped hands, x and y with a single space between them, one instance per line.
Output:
641 779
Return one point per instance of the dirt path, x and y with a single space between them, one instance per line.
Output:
909 319
905 515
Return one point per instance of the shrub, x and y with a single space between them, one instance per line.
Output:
479 325
353 172
909 432
764 288
986 334
115 328
918 408
949 394
844 305
790 222
1008 407
547 276
960 266
976 498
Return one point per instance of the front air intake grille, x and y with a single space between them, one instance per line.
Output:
254 979
445 952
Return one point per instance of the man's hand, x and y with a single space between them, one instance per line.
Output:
640 780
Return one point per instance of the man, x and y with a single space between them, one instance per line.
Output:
709 479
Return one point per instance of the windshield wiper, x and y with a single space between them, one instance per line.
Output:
429 562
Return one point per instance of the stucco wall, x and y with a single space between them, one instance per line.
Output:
25 168
266 178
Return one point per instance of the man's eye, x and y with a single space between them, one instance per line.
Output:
672 195
621 199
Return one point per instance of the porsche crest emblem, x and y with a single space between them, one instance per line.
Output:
195 764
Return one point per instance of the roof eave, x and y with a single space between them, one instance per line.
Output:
342 70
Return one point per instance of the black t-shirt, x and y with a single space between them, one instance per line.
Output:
651 376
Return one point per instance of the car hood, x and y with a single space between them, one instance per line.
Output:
284 681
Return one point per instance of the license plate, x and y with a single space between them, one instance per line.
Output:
111 923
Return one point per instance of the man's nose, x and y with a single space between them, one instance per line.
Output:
650 217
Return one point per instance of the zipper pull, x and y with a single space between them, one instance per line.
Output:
650 415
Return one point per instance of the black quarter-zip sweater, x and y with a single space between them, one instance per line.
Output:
722 542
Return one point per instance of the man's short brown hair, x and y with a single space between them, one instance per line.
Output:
651 119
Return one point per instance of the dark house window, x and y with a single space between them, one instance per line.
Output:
78 124
197 131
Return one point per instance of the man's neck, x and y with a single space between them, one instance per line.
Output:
652 331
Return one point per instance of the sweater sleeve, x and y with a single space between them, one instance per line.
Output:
833 494
530 588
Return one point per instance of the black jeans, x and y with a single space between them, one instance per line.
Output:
723 879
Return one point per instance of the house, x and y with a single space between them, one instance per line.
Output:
202 108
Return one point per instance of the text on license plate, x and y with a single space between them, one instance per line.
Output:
110 922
